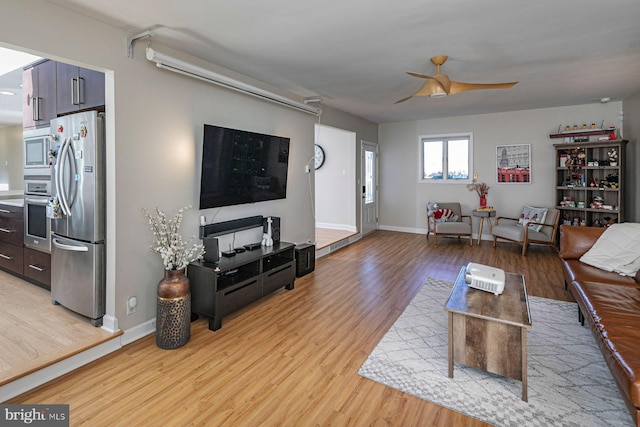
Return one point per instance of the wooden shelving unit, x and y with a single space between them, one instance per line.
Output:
590 182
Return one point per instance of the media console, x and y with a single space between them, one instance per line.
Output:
218 289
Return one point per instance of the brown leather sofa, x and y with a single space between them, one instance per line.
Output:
610 303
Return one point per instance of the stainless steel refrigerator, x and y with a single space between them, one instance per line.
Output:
77 209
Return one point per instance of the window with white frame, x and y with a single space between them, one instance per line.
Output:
446 158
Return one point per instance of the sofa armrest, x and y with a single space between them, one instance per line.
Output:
576 241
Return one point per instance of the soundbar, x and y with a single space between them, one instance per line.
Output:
225 227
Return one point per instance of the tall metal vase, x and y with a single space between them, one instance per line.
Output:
173 315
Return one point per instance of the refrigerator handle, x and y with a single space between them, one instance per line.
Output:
60 245
59 177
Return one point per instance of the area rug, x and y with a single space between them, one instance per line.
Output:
569 382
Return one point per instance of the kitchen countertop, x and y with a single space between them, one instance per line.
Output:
11 194
12 202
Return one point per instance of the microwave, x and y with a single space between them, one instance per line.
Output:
37 143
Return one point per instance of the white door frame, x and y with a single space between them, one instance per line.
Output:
368 227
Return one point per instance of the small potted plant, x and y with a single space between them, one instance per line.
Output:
482 190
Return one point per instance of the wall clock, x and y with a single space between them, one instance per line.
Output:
319 156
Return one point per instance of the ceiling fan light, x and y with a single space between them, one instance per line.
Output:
438 95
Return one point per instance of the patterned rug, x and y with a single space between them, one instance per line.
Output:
569 382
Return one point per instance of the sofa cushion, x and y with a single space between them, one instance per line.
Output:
576 241
613 311
453 228
578 271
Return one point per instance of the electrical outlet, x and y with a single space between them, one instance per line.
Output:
132 303
307 169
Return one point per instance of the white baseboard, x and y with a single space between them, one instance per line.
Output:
110 324
44 375
334 247
403 229
342 227
138 331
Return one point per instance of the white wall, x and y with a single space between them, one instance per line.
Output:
403 198
154 136
364 130
335 201
631 129
11 163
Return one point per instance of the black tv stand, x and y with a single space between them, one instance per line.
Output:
218 289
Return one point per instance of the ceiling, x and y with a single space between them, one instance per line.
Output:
354 53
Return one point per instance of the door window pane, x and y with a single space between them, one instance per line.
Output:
369 193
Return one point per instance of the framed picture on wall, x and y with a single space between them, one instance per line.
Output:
513 164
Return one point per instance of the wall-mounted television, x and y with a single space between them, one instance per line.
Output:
242 167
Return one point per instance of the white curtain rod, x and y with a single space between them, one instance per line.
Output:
181 67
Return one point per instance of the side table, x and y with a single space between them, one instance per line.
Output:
482 214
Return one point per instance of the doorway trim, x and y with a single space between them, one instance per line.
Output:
369 220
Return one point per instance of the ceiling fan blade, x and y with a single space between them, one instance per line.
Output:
457 87
403 99
418 75
429 87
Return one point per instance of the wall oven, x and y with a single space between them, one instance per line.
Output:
37 225
37 143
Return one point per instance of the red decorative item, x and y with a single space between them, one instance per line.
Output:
483 202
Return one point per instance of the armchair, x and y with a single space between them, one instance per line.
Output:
446 219
528 230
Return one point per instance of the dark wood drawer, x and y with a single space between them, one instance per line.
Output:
11 257
278 277
37 266
8 211
237 296
12 230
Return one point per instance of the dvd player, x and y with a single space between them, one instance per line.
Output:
252 246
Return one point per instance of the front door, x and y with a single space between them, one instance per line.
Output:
369 175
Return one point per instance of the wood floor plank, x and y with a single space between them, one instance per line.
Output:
36 333
291 358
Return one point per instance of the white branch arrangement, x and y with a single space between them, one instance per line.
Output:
175 253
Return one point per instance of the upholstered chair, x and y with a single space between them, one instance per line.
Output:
446 219
525 230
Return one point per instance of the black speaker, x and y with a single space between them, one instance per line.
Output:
305 259
211 251
275 228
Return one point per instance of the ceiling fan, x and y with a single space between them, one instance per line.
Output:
440 85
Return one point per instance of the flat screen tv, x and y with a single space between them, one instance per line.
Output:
242 167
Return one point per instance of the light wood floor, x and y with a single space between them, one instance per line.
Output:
36 333
327 236
291 358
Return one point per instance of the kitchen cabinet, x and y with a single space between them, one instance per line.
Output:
590 182
37 266
11 238
39 94
78 89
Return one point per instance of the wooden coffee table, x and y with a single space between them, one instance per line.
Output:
488 331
